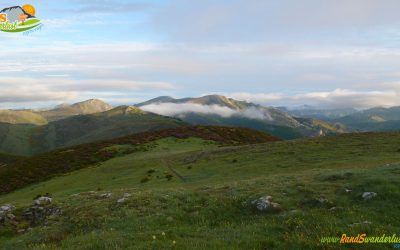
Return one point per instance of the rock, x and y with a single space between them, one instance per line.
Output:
105 195
348 190
11 217
170 219
126 195
122 200
7 208
43 200
265 204
368 195
37 213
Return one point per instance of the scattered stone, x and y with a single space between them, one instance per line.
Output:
106 195
333 208
122 200
369 195
36 213
348 190
11 217
43 200
20 231
265 204
126 195
7 208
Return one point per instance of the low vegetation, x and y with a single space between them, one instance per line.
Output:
44 166
318 183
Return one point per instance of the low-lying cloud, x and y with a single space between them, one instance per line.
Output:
182 109
387 96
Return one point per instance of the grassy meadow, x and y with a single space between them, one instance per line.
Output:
196 194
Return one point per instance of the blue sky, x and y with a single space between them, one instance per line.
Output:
282 53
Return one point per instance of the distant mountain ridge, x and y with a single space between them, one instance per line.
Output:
28 132
267 119
29 139
90 106
62 111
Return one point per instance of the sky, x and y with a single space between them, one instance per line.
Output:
328 54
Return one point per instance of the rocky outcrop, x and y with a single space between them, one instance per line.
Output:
368 195
6 213
265 204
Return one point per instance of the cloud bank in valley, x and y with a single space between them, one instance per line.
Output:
182 109
387 96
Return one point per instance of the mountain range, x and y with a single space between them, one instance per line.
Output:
76 124
373 119
29 132
220 110
140 175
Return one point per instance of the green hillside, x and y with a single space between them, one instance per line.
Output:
6 160
192 193
374 119
283 132
26 139
16 138
43 166
21 117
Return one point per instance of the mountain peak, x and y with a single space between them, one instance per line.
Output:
219 100
91 106
123 110
204 100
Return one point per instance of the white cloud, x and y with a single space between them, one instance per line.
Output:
25 89
181 109
175 109
338 98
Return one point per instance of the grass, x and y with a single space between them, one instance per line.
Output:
207 203
41 167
